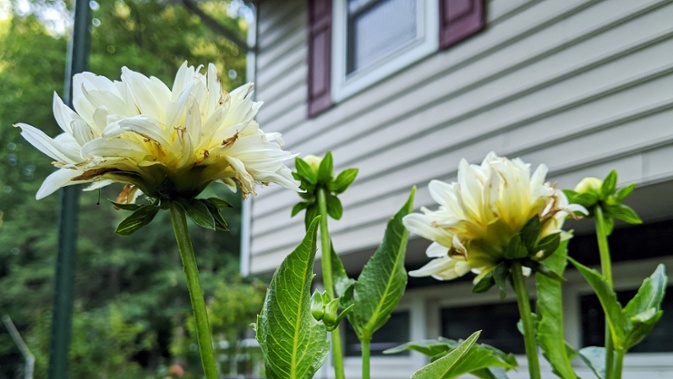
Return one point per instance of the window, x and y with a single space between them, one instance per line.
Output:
353 44
372 39
593 324
393 333
499 332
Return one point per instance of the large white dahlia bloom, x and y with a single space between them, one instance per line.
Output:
482 212
168 143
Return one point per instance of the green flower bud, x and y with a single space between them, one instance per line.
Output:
317 306
589 185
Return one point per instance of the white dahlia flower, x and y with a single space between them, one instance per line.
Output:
480 214
169 143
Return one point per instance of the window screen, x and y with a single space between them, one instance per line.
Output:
376 29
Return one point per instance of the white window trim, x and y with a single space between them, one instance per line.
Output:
344 86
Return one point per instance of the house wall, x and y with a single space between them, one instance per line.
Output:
582 86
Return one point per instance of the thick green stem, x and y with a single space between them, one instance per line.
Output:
606 270
365 357
195 293
619 363
529 340
326 247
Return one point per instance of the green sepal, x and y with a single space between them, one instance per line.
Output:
343 180
624 213
199 212
139 218
530 233
516 249
500 275
585 199
334 208
623 192
311 213
548 245
217 202
317 305
300 206
304 171
214 208
326 169
484 284
126 207
609 185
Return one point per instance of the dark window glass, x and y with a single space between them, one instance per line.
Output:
497 322
394 333
377 29
593 323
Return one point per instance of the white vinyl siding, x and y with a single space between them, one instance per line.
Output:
583 86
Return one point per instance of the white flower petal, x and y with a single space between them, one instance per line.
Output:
48 146
57 180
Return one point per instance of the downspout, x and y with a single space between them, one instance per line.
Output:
246 208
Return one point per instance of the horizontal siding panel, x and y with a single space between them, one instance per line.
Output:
280 87
293 37
567 90
274 14
288 62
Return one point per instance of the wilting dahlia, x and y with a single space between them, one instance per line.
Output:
169 143
480 214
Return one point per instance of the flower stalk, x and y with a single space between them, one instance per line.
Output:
326 247
606 271
523 301
186 248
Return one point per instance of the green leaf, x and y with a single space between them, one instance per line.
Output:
381 284
305 171
299 207
339 276
311 213
326 169
550 315
334 208
431 348
126 207
608 300
294 344
530 232
453 364
609 184
343 180
644 310
198 211
594 357
625 213
220 222
624 192
139 218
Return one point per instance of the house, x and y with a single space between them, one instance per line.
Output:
404 89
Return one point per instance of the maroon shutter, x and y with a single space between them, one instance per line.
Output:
319 55
460 19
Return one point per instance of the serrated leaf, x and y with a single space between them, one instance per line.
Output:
382 282
124 206
343 180
625 213
609 185
624 192
198 211
644 310
305 171
608 300
299 207
447 366
294 344
334 208
549 309
139 218
326 169
594 357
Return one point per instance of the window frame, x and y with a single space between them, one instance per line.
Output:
346 85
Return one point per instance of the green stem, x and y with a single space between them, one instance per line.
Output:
365 357
619 363
606 269
326 247
523 301
195 293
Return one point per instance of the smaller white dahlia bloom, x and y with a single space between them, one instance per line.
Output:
169 143
482 212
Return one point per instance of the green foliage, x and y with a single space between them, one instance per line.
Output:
550 315
629 325
463 358
312 179
594 357
382 282
294 343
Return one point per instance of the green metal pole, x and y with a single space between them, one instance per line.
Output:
78 54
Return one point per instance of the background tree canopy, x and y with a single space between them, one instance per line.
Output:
131 296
